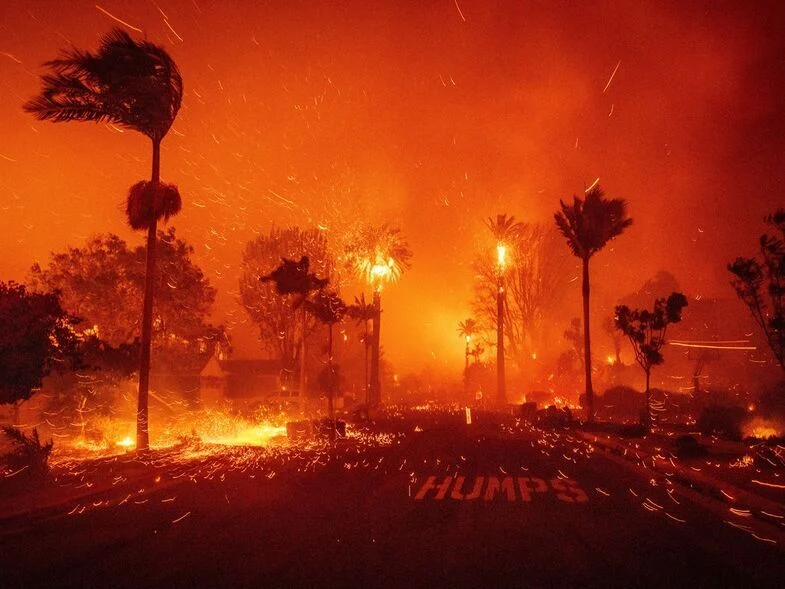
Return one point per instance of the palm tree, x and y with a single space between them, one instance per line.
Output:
505 230
588 225
293 278
135 85
466 329
329 309
363 312
378 254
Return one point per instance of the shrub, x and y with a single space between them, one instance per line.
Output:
724 421
688 447
28 453
620 402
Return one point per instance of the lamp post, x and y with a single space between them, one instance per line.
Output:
381 271
379 254
501 386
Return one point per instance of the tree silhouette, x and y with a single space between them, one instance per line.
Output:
102 280
328 308
750 276
37 336
363 312
588 225
466 330
293 278
135 85
504 229
646 331
535 283
282 333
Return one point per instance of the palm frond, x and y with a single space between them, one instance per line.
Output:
504 228
150 202
134 85
590 223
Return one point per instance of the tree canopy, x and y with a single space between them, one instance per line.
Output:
132 84
102 283
37 336
279 329
760 284
590 223
646 329
536 282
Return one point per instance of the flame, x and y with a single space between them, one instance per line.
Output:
126 442
763 429
501 254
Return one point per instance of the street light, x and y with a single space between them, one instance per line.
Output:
466 329
505 230
379 254
501 384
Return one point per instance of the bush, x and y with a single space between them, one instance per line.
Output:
688 447
724 421
554 417
28 452
620 402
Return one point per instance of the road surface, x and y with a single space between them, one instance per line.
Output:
442 503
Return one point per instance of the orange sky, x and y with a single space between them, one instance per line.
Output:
432 115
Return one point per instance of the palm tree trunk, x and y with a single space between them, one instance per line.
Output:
142 413
376 393
366 343
330 405
501 388
587 342
647 419
466 372
303 380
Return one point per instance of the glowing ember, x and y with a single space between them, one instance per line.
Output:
126 442
763 429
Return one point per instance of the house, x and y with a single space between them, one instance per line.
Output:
238 381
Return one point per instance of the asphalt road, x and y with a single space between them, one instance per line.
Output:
456 505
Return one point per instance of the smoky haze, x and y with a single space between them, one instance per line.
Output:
432 116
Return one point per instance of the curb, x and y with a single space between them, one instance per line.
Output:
762 508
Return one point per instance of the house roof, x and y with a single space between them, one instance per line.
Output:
217 367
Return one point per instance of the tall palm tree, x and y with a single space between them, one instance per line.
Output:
329 309
135 85
505 230
588 225
466 329
379 254
363 312
293 278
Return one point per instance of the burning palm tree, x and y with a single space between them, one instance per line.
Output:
135 85
466 329
504 229
329 309
363 312
379 255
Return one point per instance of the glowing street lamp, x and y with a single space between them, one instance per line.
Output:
379 255
377 274
466 329
504 229
501 254
501 381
